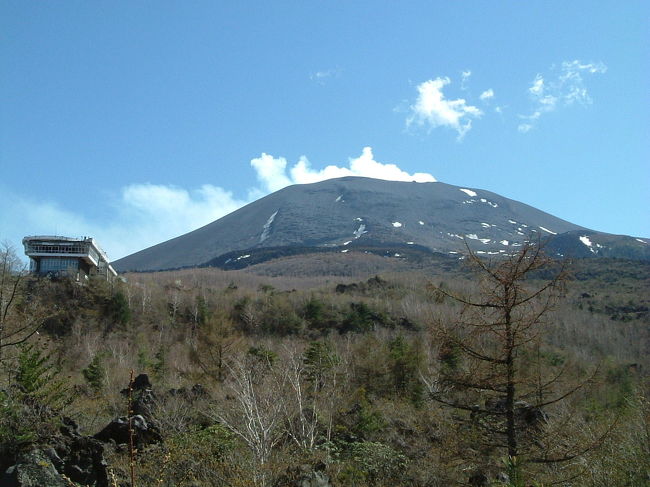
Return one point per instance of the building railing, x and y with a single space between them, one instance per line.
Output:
48 248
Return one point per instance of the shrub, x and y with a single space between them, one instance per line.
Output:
372 463
36 377
117 309
95 374
195 457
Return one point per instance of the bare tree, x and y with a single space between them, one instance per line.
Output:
311 394
486 356
174 303
145 297
17 323
256 413
302 418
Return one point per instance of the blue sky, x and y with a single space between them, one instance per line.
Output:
135 122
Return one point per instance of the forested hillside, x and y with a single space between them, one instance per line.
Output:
313 372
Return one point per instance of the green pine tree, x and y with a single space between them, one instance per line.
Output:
95 374
37 377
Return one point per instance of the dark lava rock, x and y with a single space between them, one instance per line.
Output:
83 461
78 457
140 383
117 431
33 469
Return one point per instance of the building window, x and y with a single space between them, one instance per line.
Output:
56 265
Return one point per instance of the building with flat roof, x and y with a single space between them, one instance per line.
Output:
75 257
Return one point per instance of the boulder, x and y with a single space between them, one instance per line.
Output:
144 404
78 457
144 433
314 479
478 479
140 383
33 469
83 461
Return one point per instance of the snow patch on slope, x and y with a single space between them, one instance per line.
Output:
585 240
482 200
468 192
493 205
473 236
266 229
359 231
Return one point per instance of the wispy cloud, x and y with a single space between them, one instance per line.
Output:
432 109
322 76
487 95
143 215
464 78
564 87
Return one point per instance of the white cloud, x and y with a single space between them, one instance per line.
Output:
432 109
537 88
180 207
271 171
543 94
571 80
147 214
142 215
302 173
322 76
565 88
487 95
524 127
464 78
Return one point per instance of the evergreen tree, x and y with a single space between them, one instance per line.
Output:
36 376
95 374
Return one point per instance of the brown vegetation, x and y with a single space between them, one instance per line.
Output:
261 380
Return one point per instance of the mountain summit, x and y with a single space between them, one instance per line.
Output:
341 214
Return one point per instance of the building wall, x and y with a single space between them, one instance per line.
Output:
60 265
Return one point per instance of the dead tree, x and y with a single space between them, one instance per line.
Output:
21 315
255 412
485 360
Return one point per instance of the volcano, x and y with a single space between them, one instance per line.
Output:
339 215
